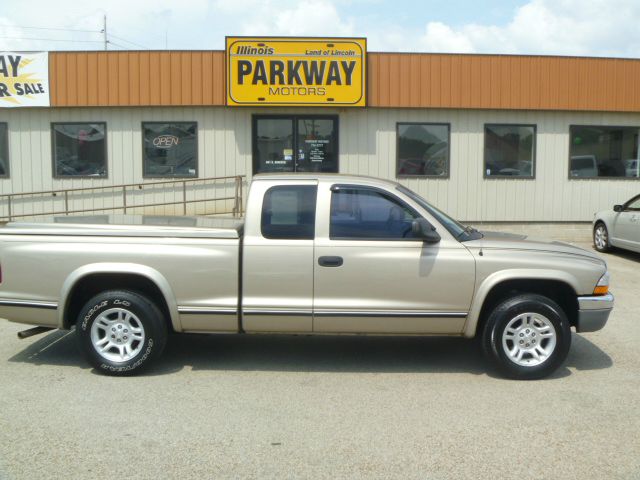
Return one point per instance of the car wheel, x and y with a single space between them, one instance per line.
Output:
601 237
527 336
121 332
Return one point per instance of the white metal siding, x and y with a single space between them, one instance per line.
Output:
367 146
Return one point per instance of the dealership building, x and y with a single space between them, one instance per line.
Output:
487 138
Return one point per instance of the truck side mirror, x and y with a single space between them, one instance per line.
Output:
618 208
422 229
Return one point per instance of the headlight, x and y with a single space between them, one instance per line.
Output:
602 287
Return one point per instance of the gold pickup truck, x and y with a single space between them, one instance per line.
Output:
315 254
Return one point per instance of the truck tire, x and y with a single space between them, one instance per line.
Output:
601 238
527 336
121 332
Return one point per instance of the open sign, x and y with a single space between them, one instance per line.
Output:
165 141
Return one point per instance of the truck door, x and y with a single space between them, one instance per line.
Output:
372 277
277 265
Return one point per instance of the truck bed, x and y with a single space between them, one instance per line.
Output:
129 226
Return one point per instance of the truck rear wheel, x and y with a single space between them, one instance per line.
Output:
121 332
527 336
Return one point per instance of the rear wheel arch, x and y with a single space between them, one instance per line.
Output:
79 288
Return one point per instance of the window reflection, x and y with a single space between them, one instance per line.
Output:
597 151
509 150
423 149
79 150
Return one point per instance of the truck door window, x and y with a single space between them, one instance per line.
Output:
289 212
368 214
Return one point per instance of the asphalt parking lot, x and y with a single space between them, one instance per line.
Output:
326 407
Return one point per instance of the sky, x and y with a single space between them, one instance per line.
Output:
607 28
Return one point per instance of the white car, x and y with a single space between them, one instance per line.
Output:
632 168
619 227
583 166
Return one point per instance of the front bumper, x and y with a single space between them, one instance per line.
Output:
593 312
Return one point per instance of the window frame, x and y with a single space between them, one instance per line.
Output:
534 158
197 145
384 193
54 170
440 124
632 179
625 205
294 117
7 173
315 211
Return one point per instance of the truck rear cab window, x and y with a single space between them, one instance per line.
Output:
289 212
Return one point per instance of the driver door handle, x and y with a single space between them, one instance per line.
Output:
330 261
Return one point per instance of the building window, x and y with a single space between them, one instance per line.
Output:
4 150
509 151
423 150
170 149
289 212
79 149
596 151
305 143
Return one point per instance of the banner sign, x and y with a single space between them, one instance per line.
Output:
296 71
24 79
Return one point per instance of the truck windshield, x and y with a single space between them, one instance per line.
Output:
454 227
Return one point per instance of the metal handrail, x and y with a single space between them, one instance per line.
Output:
67 194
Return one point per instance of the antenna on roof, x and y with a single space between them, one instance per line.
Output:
104 30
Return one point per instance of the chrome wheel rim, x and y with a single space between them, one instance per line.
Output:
117 335
600 237
529 339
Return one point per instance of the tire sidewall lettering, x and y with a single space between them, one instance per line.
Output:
133 366
100 306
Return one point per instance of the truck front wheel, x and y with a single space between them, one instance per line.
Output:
527 336
121 332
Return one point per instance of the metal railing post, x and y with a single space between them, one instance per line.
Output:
241 195
184 197
236 208
66 202
9 206
124 199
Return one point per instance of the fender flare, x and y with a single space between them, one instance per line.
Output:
124 269
496 278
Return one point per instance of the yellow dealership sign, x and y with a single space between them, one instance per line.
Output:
296 71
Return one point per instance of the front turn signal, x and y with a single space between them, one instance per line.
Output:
602 287
602 290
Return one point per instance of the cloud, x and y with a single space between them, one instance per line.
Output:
141 21
442 38
303 18
564 27
556 27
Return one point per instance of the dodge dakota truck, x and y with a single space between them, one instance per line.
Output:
315 254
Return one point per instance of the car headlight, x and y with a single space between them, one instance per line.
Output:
602 287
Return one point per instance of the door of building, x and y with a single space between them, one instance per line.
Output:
295 143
